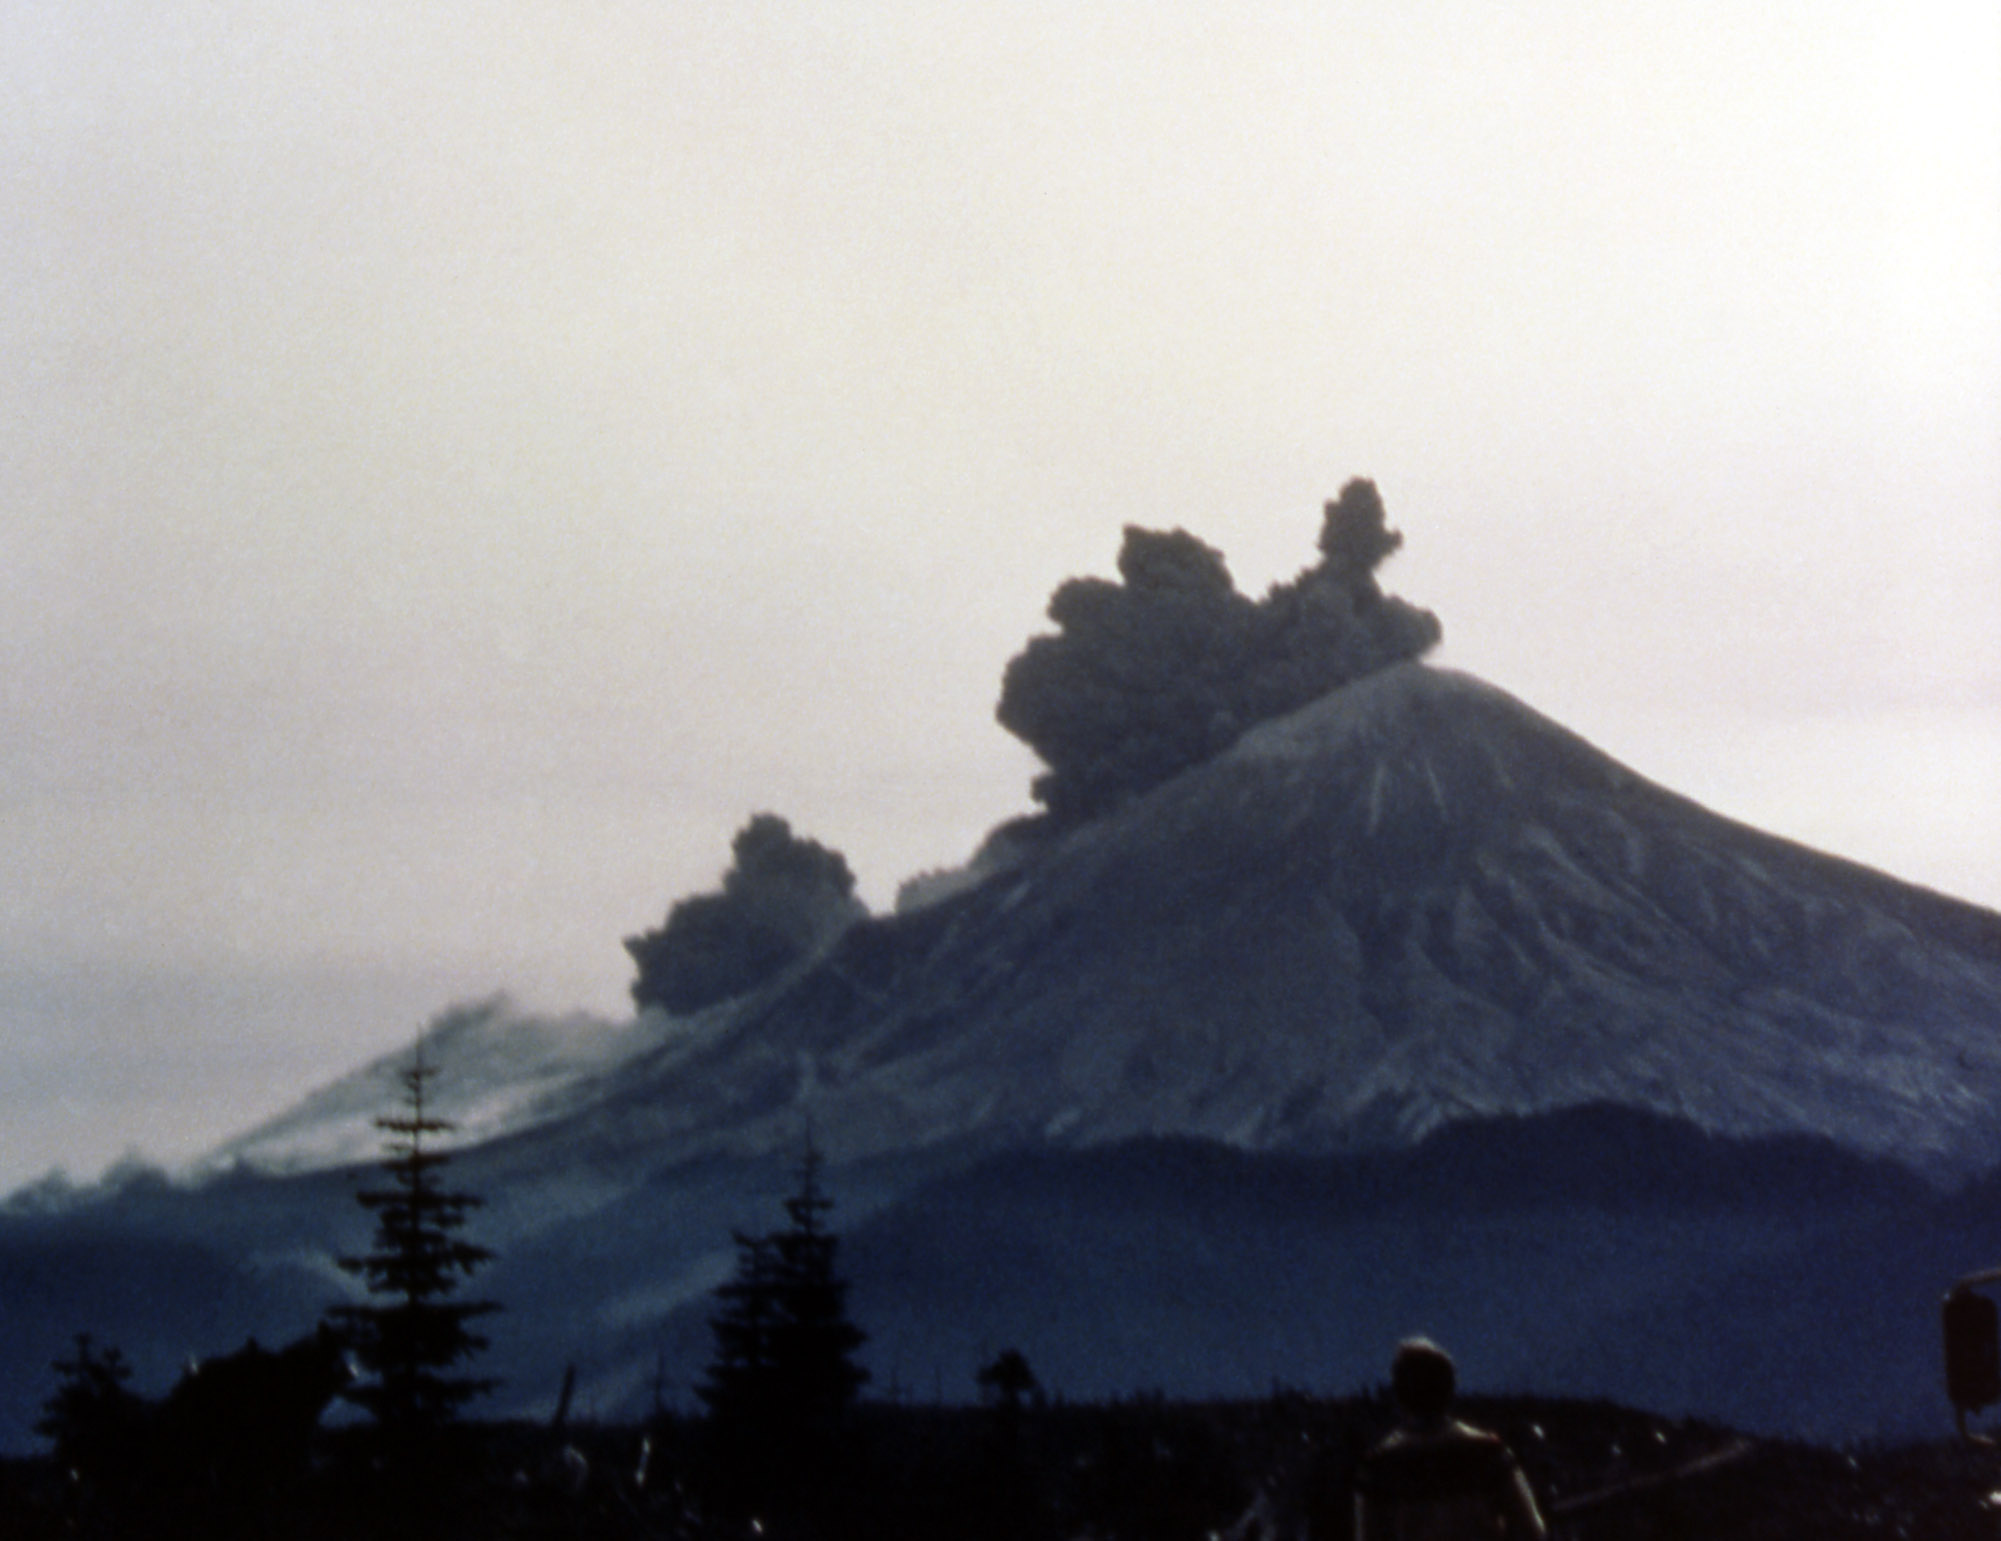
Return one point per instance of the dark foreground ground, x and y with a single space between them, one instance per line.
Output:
1135 1470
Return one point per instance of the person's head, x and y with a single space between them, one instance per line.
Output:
1422 1378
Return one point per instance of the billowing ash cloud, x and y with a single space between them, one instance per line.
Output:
1157 672
781 899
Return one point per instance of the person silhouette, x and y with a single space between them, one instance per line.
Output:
1435 1478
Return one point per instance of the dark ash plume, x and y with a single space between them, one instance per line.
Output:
782 898
1148 676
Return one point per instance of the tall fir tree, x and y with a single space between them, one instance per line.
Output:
93 1420
411 1338
784 1346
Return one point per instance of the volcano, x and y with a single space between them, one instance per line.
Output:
1414 902
1409 1011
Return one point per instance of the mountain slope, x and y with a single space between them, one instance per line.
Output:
1413 902
509 1069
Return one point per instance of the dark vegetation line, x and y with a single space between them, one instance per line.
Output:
787 1447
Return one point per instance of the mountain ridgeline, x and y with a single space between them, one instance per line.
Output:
1412 902
1395 1007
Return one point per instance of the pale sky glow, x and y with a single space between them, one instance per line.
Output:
460 460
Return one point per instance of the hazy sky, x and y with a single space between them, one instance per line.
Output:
461 459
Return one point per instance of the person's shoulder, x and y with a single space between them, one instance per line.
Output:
1453 1460
1449 1433
1485 1439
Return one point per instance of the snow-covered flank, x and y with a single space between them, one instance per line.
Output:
1414 902
499 1069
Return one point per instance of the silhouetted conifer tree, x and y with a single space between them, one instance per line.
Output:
1006 1381
93 1421
784 1347
411 1338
